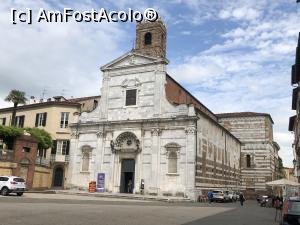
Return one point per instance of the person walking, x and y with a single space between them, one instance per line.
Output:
242 199
278 205
129 186
210 196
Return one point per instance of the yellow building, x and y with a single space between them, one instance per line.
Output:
289 174
53 115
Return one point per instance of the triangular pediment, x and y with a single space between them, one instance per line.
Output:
131 59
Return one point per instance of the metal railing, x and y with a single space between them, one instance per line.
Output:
59 158
42 161
6 155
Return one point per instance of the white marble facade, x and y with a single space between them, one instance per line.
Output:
162 138
154 126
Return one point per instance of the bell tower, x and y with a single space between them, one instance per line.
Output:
151 38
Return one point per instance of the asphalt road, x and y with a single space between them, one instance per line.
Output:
58 209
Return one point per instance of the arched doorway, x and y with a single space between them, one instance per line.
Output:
127 175
58 177
126 147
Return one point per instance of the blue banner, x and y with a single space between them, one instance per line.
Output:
100 182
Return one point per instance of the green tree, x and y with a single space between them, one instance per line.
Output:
43 137
17 97
8 134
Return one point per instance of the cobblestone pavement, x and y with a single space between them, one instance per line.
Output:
46 209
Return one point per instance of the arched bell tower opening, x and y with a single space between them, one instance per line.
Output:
148 39
151 38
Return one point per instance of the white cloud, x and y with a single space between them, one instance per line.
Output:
57 57
250 69
186 32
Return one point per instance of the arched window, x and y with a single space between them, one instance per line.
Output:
86 153
148 39
248 158
85 161
172 150
172 162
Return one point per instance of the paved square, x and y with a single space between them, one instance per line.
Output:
49 209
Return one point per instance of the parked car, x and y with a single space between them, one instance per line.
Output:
12 184
265 201
231 196
220 196
237 196
291 211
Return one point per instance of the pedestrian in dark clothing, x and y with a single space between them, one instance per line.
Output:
278 205
210 196
242 199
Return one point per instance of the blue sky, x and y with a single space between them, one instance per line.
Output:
233 55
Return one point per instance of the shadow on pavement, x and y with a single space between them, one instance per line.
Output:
249 214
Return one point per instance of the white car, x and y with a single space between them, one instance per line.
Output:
220 196
12 184
232 196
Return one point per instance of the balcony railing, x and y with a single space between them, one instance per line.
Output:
42 161
6 155
59 158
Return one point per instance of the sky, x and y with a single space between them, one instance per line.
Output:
233 55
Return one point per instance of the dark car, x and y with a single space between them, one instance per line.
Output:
291 211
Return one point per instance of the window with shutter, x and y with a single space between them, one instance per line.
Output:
68 148
40 119
37 120
64 120
63 147
54 146
19 121
130 97
2 121
44 119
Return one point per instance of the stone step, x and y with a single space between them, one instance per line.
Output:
125 196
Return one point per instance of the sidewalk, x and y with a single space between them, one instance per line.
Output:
116 195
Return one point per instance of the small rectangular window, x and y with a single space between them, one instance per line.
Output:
64 120
130 97
26 149
248 161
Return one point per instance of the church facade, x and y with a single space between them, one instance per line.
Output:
148 133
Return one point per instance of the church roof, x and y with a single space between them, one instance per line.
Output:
133 53
177 94
243 114
42 104
83 98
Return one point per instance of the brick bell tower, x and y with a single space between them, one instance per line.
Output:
151 38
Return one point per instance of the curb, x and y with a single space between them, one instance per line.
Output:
146 198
